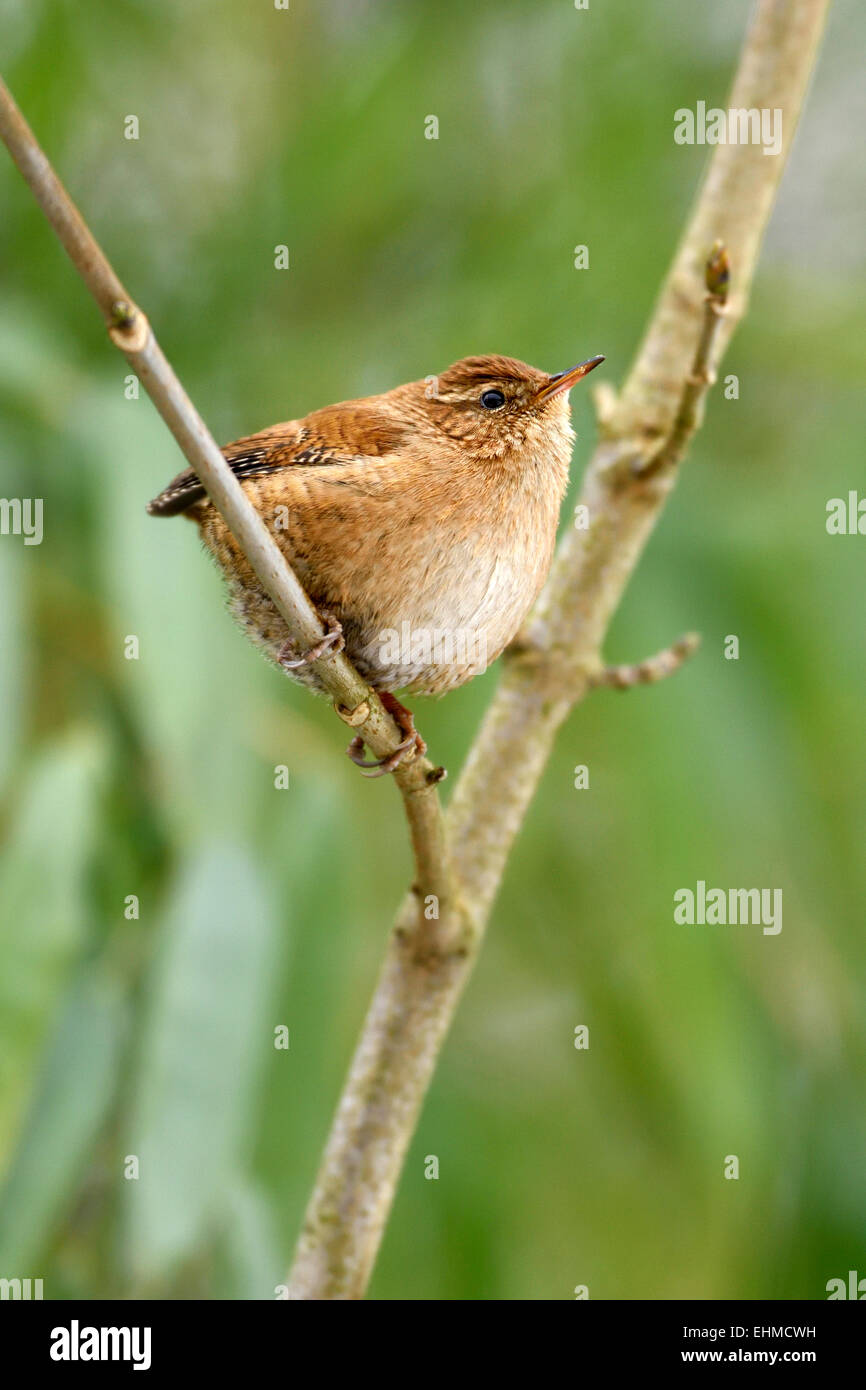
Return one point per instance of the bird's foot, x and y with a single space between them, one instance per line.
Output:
412 744
333 641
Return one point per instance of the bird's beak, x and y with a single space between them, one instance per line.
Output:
563 381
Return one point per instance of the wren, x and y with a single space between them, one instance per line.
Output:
421 522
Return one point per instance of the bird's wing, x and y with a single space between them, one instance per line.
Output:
339 434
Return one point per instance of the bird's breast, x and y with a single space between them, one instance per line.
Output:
431 572
459 601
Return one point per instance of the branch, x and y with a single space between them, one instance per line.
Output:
688 418
654 668
417 992
130 331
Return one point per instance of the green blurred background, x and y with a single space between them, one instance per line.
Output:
155 777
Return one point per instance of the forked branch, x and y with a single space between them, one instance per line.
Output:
644 433
417 994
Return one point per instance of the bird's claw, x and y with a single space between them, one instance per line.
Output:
380 767
333 641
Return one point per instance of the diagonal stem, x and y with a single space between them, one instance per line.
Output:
130 331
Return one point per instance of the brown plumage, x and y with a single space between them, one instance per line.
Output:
422 521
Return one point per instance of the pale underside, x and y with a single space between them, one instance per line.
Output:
424 605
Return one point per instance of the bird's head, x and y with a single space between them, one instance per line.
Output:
497 406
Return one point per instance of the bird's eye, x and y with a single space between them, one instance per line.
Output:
492 400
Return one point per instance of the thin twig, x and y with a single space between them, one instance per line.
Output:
688 418
415 996
652 669
130 331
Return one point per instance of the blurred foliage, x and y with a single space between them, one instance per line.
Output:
154 777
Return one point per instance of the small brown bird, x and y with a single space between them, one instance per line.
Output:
421 522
